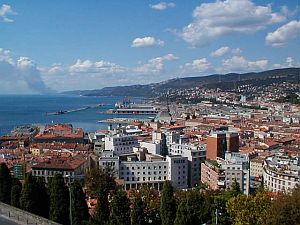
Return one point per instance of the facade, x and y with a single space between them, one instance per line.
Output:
120 143
212 175
281 173
236 168
218 143
70 168
195 154
256 167
140 168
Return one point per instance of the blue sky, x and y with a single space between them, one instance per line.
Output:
66 45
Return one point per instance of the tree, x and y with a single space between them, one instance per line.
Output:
138 216
31 201
182 214
59 200
167 205
28 199
101 182
151 201
5 183
16 193
285 209
249 210
79 208
120 209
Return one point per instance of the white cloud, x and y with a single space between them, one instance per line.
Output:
283 34
289 62
236 51
220 52
154 65
101 67
239 63
6 11
197 65
22 76
213 20
147 42
162 5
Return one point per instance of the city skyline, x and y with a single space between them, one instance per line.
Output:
47 46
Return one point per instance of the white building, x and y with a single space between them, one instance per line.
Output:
140 168
281 173
196 154
236 168
120 143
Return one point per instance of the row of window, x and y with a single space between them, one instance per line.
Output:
144 178
144 167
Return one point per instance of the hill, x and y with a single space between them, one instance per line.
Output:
225 82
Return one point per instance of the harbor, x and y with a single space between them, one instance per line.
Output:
73 110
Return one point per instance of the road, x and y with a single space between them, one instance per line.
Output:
5 221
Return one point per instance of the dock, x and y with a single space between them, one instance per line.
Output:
73 110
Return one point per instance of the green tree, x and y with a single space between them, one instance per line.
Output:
5 183
59 200
100 182
16 193
138 216
249 210
120 209
168 204
79 208
31 201
182 214
151 201
285 210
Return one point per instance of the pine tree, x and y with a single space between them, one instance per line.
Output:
137 212
16 193
28 199
120 209
42 199
5 183
59 200
101 182
79 208
167 205
182 214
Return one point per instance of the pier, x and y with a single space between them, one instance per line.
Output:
73 110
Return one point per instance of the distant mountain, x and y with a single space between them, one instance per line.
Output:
226 81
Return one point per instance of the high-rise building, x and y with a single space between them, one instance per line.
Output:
220 142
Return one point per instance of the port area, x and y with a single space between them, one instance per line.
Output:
124 120
74 110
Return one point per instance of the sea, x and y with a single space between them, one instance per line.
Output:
32 109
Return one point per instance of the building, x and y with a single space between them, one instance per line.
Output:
120 143
212 175
236 168
140 168
71 168
195 154
281 173
60 133
220 142
256 167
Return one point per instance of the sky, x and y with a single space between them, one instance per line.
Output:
60 45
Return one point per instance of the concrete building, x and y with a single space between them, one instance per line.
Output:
71 168
120 143
140 168
236 168
195 154
212 175
256 167
220 142
281 173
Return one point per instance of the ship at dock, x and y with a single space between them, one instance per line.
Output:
127 107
